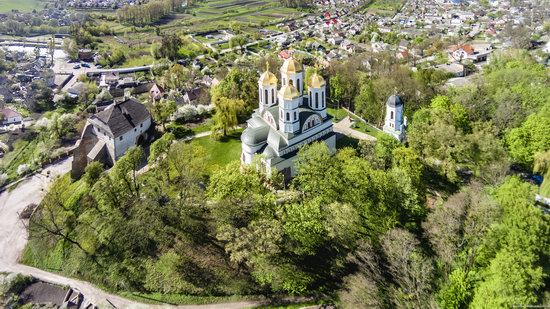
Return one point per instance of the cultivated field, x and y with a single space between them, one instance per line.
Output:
217 14
21 5
384 7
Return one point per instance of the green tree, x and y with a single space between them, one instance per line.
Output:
162 111
531 137
240 84
160 147
92 172
515 275
237 41
368 106
457 292
71 48
225 117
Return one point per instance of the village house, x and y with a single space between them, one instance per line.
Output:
467 52
9 116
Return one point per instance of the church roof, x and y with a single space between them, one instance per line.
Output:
316 81
255 136
394 101
289 92
275 140
268 79
269 153
291 66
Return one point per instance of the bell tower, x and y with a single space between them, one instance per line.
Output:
292 73
267 86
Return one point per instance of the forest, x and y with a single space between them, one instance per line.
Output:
442 221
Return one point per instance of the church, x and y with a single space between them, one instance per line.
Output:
287 118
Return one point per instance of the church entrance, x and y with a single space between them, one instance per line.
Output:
286 175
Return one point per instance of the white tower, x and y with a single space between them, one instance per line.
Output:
395 121
317 95
292 73
289 101
267 85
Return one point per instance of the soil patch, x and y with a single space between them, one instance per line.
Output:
43 293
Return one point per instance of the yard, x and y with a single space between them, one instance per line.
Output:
385 7
220 152
366 128
337 114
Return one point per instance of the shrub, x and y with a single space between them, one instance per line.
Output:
3 179
22 169
179 131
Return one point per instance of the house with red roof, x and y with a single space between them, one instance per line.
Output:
9 116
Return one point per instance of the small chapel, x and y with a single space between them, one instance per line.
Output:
395 123
287 118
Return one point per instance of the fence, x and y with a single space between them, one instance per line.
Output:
361 119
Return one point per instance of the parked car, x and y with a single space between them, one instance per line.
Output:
85 65
76 67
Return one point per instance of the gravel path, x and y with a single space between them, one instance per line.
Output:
13 237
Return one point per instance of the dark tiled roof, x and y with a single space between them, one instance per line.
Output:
143 88
394 101
123 117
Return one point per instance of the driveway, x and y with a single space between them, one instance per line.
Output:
344 127
13 237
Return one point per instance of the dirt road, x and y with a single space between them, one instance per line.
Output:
13 237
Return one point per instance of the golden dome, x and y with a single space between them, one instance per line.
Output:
289 92
291 66
316 81
268 79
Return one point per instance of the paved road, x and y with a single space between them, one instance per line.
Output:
344 127
13 237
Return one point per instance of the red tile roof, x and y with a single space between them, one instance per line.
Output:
465 47
10 113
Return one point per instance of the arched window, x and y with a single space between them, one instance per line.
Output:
291 82
272 96
287 116
260 95
310 102
266 99
298 84
391 115
295 116
316 99
323 103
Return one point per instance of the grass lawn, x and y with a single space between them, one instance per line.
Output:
367 128
138 61
337 114
21 5
202 127
24 151
384 7
220 152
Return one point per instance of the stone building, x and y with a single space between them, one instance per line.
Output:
110 133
